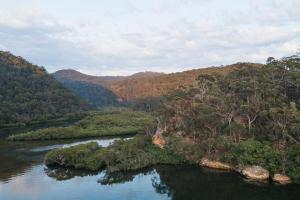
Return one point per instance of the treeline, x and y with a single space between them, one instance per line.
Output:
28 93
153 85
247 116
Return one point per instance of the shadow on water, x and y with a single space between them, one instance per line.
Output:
61 174
18 158
190 182
23 176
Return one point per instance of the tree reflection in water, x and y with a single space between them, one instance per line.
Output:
191 182
61 174
160 186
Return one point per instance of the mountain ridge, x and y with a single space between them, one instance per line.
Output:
151 84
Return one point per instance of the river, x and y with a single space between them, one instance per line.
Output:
23 176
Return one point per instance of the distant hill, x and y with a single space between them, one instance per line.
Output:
70 74
96 89
154 86
94 94
28 93
147 84
90 88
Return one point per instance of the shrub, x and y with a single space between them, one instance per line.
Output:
293 163
253 152
122 155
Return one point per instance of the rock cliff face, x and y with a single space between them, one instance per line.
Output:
158 139
281 179
205 162
256 173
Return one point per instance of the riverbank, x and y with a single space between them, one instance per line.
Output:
122 155
113 122
140 152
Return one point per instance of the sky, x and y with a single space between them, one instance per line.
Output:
122 37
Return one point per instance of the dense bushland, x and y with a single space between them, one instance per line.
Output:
249 116
106 122
122 155
29 94
94 94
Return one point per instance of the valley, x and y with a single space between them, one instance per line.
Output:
241 118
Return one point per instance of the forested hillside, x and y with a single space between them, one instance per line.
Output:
94 94
145 85
98 90
154 86
28 93
249 116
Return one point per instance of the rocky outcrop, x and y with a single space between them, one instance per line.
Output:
281 179
158 139
255 172
205 162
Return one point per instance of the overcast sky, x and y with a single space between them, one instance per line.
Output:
119 37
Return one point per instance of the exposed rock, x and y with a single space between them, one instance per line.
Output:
205 162
158 139
256 173
281 179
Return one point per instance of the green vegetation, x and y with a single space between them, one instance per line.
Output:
246 116
94 94
249 115
252 152
123 155
107 122
85 156
29 94
292 165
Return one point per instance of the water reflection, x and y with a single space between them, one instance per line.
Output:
19 157
82 185
24 177
191 182
60 173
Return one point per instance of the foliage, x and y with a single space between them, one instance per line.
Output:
250 114
82 156
293 163
99 123
28 93
122 155
94 94
253 152
248 102
190 151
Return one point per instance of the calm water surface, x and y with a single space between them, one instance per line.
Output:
23 176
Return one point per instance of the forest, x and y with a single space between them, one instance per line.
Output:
241 114
249 116
28 93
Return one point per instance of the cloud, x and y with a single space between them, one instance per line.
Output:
113 38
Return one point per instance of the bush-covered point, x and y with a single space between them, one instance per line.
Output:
102 123
84 156
122 155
